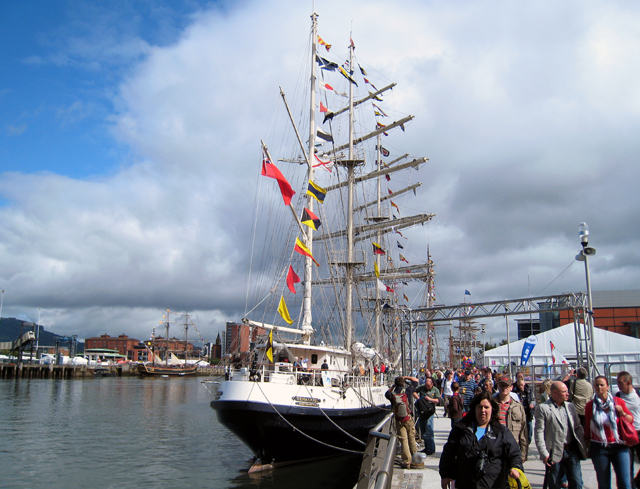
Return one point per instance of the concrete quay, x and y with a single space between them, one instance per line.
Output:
428 478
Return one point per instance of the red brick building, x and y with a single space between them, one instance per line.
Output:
613 310
237 337
130 347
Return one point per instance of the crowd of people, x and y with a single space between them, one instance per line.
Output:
495 418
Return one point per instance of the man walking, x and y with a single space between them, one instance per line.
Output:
467 389
512 415
629 395
560 438
431 393
447 392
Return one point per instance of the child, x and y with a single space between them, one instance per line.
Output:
455 405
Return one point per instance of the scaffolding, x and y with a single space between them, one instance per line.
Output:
427 317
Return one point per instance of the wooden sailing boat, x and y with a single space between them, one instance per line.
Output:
296 397
169 366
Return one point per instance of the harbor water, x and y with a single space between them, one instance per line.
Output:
134 432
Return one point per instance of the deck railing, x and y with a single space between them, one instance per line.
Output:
285 373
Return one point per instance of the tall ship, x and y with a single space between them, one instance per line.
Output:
164 362
328 271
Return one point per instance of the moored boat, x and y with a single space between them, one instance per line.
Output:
295 397
169 366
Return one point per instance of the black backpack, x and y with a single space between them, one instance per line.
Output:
427 408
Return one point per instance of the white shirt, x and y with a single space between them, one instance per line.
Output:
633 404
447 388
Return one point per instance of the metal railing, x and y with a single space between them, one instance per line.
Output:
376 471
632 367
285 373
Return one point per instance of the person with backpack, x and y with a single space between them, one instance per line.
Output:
401 394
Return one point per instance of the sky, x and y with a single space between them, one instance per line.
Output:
130 132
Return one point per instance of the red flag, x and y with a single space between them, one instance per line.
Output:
303 250
323 108
270 170
292 279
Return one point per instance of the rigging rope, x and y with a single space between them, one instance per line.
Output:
302 432
334 423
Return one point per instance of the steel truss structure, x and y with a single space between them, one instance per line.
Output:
413 319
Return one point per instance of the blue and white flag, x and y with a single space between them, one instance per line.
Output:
527 348
466 292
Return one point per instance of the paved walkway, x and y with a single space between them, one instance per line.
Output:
428 478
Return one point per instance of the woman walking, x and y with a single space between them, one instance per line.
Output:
480 453
601 433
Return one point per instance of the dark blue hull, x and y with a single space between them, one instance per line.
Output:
303 434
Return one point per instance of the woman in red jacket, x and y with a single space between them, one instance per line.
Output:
601 435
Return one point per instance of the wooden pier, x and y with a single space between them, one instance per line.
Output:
26 371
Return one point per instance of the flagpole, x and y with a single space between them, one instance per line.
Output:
506 321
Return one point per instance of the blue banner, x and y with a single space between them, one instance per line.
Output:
527 348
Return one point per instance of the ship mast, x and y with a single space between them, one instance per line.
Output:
350 164
308 236
379 235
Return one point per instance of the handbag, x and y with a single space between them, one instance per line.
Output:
627 433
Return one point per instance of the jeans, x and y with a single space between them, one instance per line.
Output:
603 457
635 449
426 429
530 430
571 464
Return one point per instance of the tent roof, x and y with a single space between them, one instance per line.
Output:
564 341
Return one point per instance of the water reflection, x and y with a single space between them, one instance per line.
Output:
151 433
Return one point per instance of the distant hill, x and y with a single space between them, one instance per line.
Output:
10 330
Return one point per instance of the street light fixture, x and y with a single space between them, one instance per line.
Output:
585 253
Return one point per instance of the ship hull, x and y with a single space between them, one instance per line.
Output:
280 433
150 370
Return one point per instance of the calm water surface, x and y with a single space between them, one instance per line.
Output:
132 432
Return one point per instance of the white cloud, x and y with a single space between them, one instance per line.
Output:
528 113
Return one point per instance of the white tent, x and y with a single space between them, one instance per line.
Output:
610 348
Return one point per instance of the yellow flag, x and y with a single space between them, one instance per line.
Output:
375 268
269 351
284 312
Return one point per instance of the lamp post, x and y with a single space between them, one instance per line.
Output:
585 253
506 322
38 332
